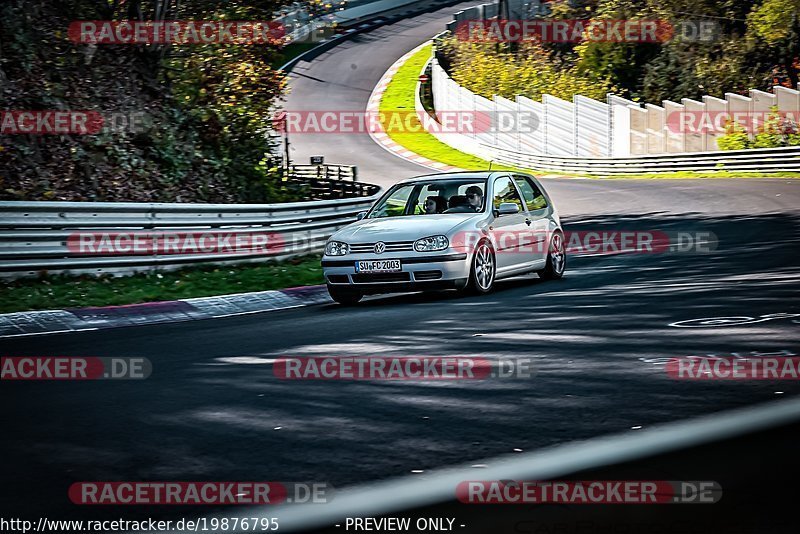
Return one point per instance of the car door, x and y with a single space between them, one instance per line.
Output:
538 212
511 233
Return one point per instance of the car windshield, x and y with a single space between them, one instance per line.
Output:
421 198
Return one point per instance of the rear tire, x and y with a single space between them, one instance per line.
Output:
556 259
345 297
482 271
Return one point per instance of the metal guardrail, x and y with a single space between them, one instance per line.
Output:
329 182
45 237
754 160
333 189
325 172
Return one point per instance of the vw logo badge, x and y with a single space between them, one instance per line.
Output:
380 246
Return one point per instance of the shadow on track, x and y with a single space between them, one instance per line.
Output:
213 409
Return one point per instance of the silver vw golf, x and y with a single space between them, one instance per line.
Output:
447 231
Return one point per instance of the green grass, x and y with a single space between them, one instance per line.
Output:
399 96
56 292
683 175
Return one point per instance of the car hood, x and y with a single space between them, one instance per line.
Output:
408 228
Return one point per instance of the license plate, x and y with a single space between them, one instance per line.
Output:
378 266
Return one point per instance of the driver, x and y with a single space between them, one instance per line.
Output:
474 196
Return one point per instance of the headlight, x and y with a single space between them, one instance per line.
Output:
428 244
336 248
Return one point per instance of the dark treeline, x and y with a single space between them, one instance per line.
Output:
200 110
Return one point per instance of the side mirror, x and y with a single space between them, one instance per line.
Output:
507 208
361 215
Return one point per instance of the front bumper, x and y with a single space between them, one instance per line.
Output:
419 273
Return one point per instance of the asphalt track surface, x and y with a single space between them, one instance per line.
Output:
343 78
213 410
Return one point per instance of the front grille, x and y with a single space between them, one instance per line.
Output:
427 275
391 246
337 279
371 278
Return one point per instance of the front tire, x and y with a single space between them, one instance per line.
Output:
556 259
483 270
345 297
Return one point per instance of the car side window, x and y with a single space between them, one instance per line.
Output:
395 204
534 198
504 191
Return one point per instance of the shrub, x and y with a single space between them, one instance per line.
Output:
777 131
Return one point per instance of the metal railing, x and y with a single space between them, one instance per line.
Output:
123 238
325 172
754 160
328 182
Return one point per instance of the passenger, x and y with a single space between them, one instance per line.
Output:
430 206
434 204
474 196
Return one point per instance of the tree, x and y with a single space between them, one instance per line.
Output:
208 105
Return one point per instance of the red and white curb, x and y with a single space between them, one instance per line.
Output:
381 137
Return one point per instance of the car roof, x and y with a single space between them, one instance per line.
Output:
478 175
